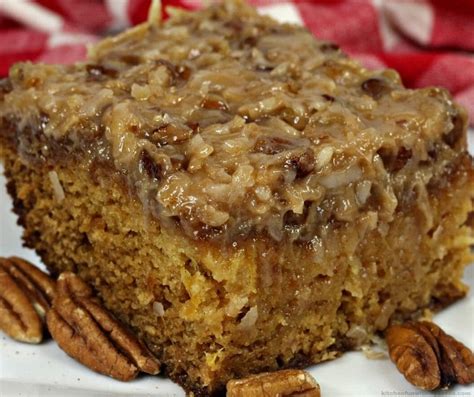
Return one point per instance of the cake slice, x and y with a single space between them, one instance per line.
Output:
242 195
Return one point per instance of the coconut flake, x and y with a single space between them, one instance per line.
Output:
324 156
158 308
377 350
212 216
154 13
357 333
341 178
57 187
363 191
373 354
140 92
235 305
250 318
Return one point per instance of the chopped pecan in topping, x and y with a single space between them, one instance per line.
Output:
168 65
131 59
152 169
235 24
303 163
291 219
194 126
171 67
214 104
394 163
328 98
452 137
402 158
178 72
433 153
376 88
271 145
91 335
169 134
99 72
290 382
428 357
5 87
470 220
183 72
329 47
249 41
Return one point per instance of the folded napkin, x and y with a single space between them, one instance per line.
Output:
429 42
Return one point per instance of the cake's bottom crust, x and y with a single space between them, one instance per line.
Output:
341 301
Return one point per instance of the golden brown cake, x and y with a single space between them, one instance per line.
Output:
244 196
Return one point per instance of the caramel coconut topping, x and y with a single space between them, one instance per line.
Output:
229 123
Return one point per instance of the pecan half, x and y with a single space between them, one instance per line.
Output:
290 382
38 286
90 334
428 357
25 296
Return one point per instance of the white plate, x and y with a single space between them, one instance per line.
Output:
45 370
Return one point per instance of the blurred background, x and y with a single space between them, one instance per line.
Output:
430 42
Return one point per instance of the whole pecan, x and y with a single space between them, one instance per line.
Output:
428 357
39 286
86 331
290 382
25 296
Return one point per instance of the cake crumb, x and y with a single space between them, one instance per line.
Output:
250 318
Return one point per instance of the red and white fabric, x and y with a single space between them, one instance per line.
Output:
430 42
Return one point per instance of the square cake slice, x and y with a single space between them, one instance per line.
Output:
243 196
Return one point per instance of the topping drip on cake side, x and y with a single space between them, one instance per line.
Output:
229 123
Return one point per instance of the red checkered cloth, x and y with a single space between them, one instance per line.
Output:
430 42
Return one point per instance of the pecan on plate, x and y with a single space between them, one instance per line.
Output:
86 331
428 357
289 382
25 296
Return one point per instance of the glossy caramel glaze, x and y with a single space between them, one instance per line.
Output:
230 123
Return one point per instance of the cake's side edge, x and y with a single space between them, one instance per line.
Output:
181 377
